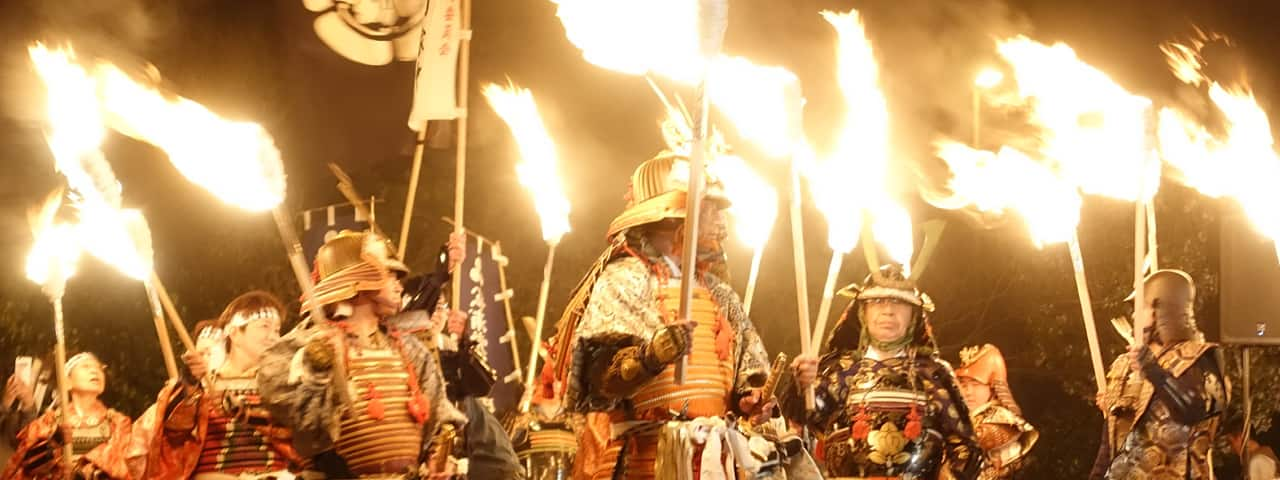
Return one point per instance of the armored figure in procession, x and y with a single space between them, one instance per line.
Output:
98 436
214 424
620 340
363 396
1163 399
1005 437
886 406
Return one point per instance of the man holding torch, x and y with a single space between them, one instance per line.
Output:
1164 398
623 338
394 400
887 406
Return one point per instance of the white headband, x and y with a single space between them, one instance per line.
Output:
243 318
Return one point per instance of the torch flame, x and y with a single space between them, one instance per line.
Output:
236 161
1242 164
862 152
1011 181
76 132
1091 127
620 35
753 202
763 103
537 169
53 255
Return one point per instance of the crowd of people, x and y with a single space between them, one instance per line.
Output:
629 389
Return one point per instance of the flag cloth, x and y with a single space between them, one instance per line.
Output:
435 78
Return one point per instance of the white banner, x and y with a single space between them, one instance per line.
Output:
435 79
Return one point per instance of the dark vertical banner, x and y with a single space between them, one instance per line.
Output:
483 299
319 224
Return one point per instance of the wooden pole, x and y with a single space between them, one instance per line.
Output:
535 336
418 149
174 318
802 286
828 291
1140 314
162 332
60 369
501 260
460 173
752 278
1086 311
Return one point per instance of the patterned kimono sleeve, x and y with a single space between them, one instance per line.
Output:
620 314
963 455
109 459
36 455
301 399
751 361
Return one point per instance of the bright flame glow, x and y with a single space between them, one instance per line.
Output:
621 35
104 230
987 78
1091 128
763 103
537 168
236 161
861 154
1011 181
754 203
1242 164
53 255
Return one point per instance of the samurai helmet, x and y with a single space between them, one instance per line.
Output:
1172 295
889 283
983 364
658 191
347 264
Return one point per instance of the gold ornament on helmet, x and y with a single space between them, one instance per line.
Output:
658 191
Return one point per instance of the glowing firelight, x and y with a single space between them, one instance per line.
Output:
753 202
763 103
987 78
54 253
1091 128
235 161
1010 181
1241 164
861 154
103 228
537 168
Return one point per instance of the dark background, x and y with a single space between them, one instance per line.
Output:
259 60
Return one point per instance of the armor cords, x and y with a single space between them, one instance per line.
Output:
239 437
705 392
379 433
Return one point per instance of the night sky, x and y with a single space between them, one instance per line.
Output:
259 60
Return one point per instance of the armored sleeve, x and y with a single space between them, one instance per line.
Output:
964 456
827 395
1198 394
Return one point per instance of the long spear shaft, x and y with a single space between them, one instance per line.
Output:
1086 311
752 278
802 286
460 173
536 335
162 332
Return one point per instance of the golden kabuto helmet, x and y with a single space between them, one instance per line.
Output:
890 283
347 264
983 364
658 191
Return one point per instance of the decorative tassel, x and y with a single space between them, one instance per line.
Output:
861 424
375 408
419 407
914 428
